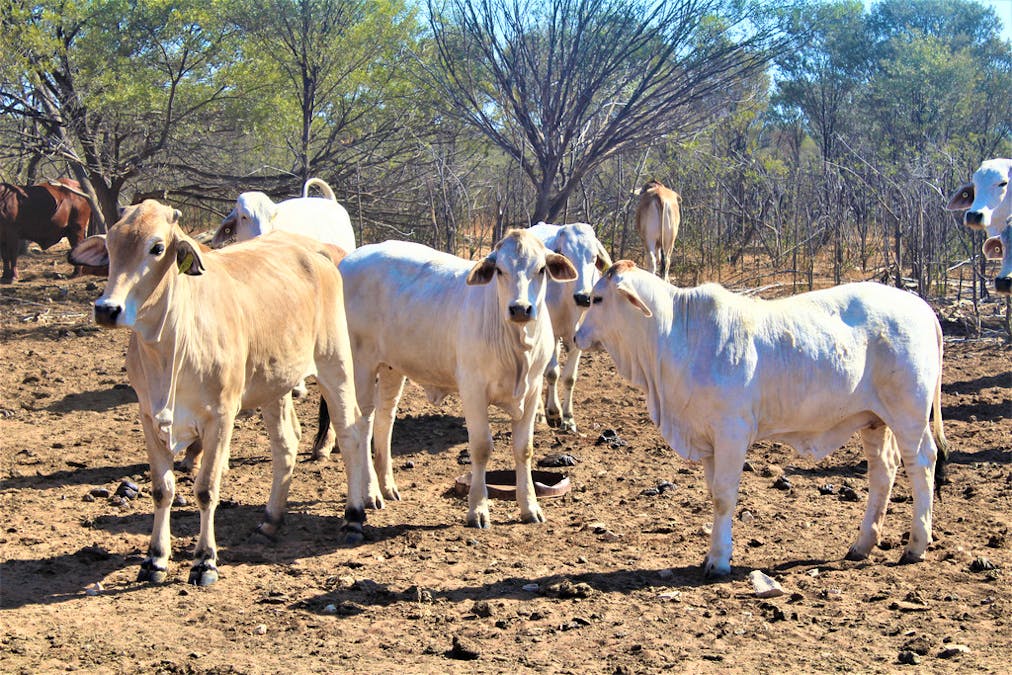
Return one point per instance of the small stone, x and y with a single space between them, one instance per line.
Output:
771 471
670 596
557 460
666 573
908 658
748 466
260 629
848 494
99 492
88 498
764 586
827 489
920 645
746 517
330 609
116 500
128 489
782 483
531 588
952 651
408 465
482 608
981 565
610 536
179 500
94 589
462 650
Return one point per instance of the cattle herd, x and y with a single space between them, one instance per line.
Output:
285 293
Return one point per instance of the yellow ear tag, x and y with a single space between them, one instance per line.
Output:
186 263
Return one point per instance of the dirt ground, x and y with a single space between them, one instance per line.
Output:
610 584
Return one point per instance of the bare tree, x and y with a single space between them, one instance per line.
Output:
561 85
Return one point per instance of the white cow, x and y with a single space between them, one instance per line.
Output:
218 331
658 216
566 303
999 247
255 214
722 371
452 325
987 200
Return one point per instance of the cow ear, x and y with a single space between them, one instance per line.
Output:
188 258
559 267
961 199
603 260
483 272
91 252
993 248
629 293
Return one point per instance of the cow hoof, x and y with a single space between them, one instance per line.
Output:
264 534
569 425
374 501
855 555
533 517
151 574
909 558
6 281
321 455
203 574
553 419
482 521
714 570
392 493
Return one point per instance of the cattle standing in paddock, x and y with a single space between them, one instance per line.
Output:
722 371
44 213
987 199
999 247
255 214
658 215
452 325
566 303
215 332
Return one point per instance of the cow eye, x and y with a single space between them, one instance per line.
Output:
498 272
158 249
541 272
597 300
1004 183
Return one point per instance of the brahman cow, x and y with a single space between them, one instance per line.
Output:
987 200
44 213
255 214
566 303
452 325
658 215
722 371
219 331
999 247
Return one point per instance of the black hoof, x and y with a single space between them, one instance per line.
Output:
854 556
554 421
264 534
351 534
203 574
909 559
151 574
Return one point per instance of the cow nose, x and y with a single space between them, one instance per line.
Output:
582 299
521 312
973 217
106 313
1003 285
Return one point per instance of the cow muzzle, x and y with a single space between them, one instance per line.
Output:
582 299
106 313
1003 285
973 219
521 312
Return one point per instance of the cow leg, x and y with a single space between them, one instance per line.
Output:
207 487
569 386
666 262
390 384
366 390
352 431
479 445
9 252
523 453
155 566
323 445
919 457
553 415
652 259
883 460
723 476
278 418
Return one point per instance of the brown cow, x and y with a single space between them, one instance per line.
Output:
43 213
658 215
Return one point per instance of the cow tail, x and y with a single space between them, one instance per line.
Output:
940 441
323 424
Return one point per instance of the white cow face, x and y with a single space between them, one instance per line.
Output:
521 266
580 246
142 247
614 303
250 218
985 196
1000 248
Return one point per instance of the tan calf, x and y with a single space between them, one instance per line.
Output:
658 216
